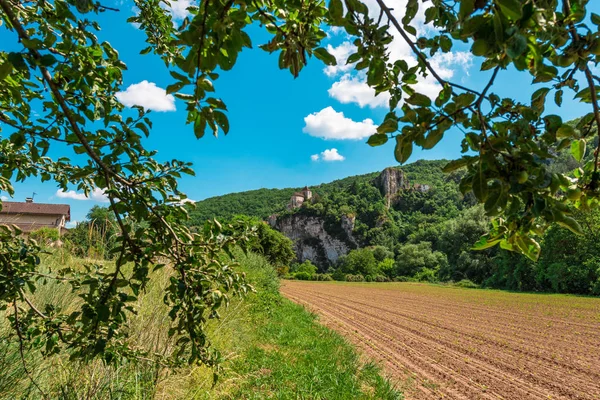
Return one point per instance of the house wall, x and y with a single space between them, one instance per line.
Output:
50 220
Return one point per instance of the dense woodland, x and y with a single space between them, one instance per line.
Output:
424 236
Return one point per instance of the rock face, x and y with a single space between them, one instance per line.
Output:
311 239
390 182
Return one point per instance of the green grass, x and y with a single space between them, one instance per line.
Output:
272 349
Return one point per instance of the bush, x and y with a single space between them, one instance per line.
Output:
338 275
303 276
467 283
355 278
404 279
322 277
45 236
426 275
307 267
381 278
368 278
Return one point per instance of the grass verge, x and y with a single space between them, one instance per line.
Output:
272 349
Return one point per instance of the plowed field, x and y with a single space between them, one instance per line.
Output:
451 343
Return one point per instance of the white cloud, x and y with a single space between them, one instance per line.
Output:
332 155
328 155
341 54
71 224
354 89
147 95
4 198
336 30
95 195
330 124
178 8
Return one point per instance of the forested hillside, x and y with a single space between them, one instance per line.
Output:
264 202
426 235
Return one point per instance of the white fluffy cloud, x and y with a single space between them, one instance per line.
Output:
4 198
351 86
179 8
147 95
341 54
354 89
330 124
95 195
328 155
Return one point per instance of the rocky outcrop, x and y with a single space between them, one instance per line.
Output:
390 182
312 241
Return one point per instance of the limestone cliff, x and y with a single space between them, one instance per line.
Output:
390 182
311 239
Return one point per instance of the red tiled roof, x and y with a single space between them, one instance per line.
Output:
11 207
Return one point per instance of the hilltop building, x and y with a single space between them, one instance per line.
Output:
299 198
30 216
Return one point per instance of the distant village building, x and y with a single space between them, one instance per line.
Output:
30 216
299 198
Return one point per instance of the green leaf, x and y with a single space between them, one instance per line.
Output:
595 19
175 87
47 60
377 140
5 70
324 56
578 149
336 10
480 186
528 247
419 99
389 125
570 223
221 120
538 99
433 138
565 131
403 149
586 94
466 8
516 46
512 9
457 164
485 243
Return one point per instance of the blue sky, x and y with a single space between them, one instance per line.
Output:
283 130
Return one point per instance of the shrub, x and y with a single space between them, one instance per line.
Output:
404 279
303 276
467 283
45 236
381 278
426 275
338 275
355 278
307 267
369 278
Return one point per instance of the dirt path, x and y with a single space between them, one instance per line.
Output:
451 343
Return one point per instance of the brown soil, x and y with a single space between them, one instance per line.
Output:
449 343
